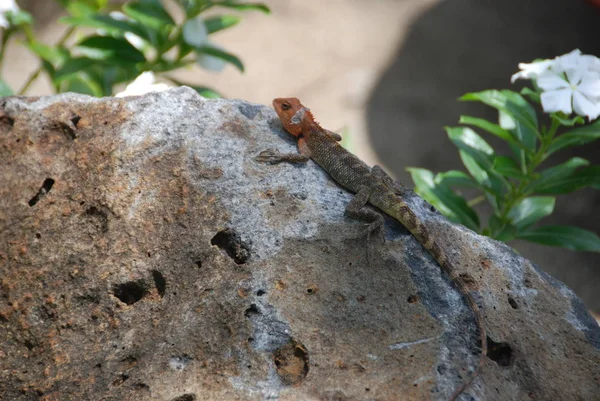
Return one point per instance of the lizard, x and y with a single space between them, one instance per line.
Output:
371 185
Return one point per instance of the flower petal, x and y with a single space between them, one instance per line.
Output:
143 84
550 80
574 75
568 61
585 107
531 70
591 62
557 100
590 87
8 5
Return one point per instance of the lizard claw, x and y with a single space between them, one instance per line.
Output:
268 156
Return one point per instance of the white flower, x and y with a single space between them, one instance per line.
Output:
575 89
5 7
144 83
570 82
534 69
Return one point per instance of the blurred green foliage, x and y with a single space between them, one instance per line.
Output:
125 41
519 191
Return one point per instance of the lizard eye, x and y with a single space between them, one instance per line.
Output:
285 106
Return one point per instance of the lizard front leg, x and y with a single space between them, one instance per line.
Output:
333 135
274 156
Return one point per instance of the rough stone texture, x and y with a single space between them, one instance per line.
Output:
145 255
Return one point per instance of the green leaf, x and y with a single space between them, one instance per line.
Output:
244 6
501 231
532 95
54 55
114 50
492 128
578 136
549 178
567 122
455 178
507 167
5 90
83 84
93 5
110 25
493 186
19 17
72 67
507 101
149 13
451 205
80 9
221 54
480 161
468 141
513 106
216 24
573 238
585 177
530 210
206 92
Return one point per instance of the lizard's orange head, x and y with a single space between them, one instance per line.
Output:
291 113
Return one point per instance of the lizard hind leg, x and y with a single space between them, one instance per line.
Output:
389 182
357 209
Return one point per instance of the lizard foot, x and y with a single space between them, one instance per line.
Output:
269 156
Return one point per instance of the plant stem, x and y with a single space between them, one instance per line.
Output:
476 201
5 37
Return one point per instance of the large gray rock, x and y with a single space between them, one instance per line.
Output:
144 254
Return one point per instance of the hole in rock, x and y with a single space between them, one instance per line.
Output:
100 218
120 379
75 120
252 310
6 120
291 362
231 243
141 386
129 292
159 282
46 187
260 293
501 353
513 303
412 299
185 397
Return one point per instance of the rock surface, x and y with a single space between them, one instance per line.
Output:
144 254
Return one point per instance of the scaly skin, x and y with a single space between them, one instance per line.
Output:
371 185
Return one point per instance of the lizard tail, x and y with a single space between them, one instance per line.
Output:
401 212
